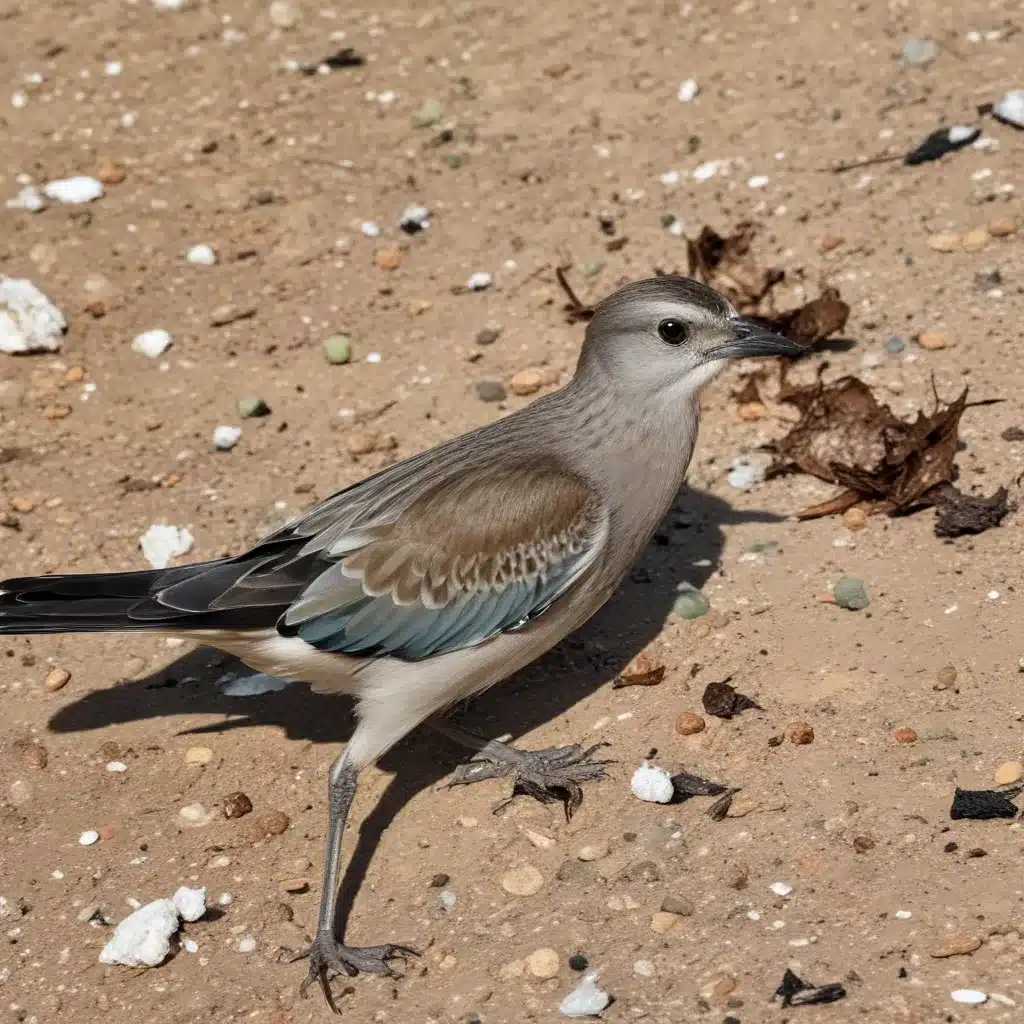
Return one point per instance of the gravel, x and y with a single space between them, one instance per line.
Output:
29 321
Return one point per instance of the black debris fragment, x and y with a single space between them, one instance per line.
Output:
794 991
1012 434
345 58
687 785
983 804
723 701
940 142
959 513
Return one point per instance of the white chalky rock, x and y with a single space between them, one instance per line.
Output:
748 470
586 1000
77 190
161 543
479 281
225 438
191 903
1011 108
28 198
152 343
201 255
29 321
652 784
143 939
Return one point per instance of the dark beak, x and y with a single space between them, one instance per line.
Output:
751 339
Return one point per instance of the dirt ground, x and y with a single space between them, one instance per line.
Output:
552 117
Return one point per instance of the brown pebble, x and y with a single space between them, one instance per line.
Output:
642 670
56 679
933 340
557 70
97 310
75 374
946 675
863 844
22 504
905 735
107 832
945 242
33 754
111 751
275 823
976 240
110 172
750 412
690 723
526 382
799 733
523 881
294 884
1009 773
58 411
237 805
830 242
440 880
388 259
1002 227
955 945
663 921
678 905
855 519
363 442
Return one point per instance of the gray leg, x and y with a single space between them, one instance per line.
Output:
552 775
329 956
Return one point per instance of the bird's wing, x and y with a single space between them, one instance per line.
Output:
482 551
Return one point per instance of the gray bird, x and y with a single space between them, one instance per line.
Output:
443 574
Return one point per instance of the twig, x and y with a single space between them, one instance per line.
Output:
577 310
853 165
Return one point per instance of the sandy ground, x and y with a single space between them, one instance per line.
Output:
551 116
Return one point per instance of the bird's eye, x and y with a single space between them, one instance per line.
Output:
672 331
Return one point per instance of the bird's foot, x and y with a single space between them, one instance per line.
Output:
552 775
329 958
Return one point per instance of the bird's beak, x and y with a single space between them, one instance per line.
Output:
750 339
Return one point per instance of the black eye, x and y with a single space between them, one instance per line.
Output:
672 331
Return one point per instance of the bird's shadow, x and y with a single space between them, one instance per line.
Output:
687 548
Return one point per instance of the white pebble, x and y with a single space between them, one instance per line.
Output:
225 899
781 888
168 5
586 1000
971 996
29 321
708 169
88 837
414 218
28 198
670 178
191 903
247 944
201 255
758 181
152 343
190 945
448 900
79 189
162 543
225 438
373 357
479 281
116 766
747 470
688 90
113 68
143 939
1011 108
652 784
19 100
644 968
903 915
993 595
370 228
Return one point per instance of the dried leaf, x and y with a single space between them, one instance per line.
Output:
686 785
723 701
727 265
794 991
983 804
960 513
643 670
814 321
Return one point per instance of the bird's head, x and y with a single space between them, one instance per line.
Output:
672 333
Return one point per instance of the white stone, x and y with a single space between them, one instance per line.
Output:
781 888
201 255
29 321
225 438
652 784
369 228
143 939
191 903
113 68
414 218
152 343
79 189
28 198
1011 108
970 996
168 5
747 470
162 543
758 181
479 281
708 169
247 944
586 1000
116 766
190 945
88 837
283 14
688 90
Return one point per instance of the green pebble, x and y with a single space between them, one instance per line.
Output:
252 408
429 114
338 349
592 268
850 593
690 603
454 161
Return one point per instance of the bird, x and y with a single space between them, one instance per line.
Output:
435 578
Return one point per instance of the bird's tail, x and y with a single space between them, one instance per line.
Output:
97 602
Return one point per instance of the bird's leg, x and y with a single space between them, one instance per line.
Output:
552 775
328 955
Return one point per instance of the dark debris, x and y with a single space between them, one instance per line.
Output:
794 991
983 804
940 142
723 701
960 513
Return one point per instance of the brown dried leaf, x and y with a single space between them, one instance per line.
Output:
815 320
723 701
727 265
960 513
643 670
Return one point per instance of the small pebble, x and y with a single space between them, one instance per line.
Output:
526 382
644 968
578 962
201 255
428 114
237 805
895 345
247 944
488 335
34 754
863 844
198 755
56 679
283 14
190 945
1009 773
678 905
228 313
152 343
593 851
389 258
689 723
414 219
855 519
523 881
919 51
662 921
955 945
932 341
976 240
850 593
782 889
252 408
448 900
1010 109
652 784
945 242
195 815
688 90
338 349
586 1000
294 885
89 837
946 675
1002 227
225 438
490 390
77 190
543 963
970 996
117 767
799 733
479 281
905 735
689 602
